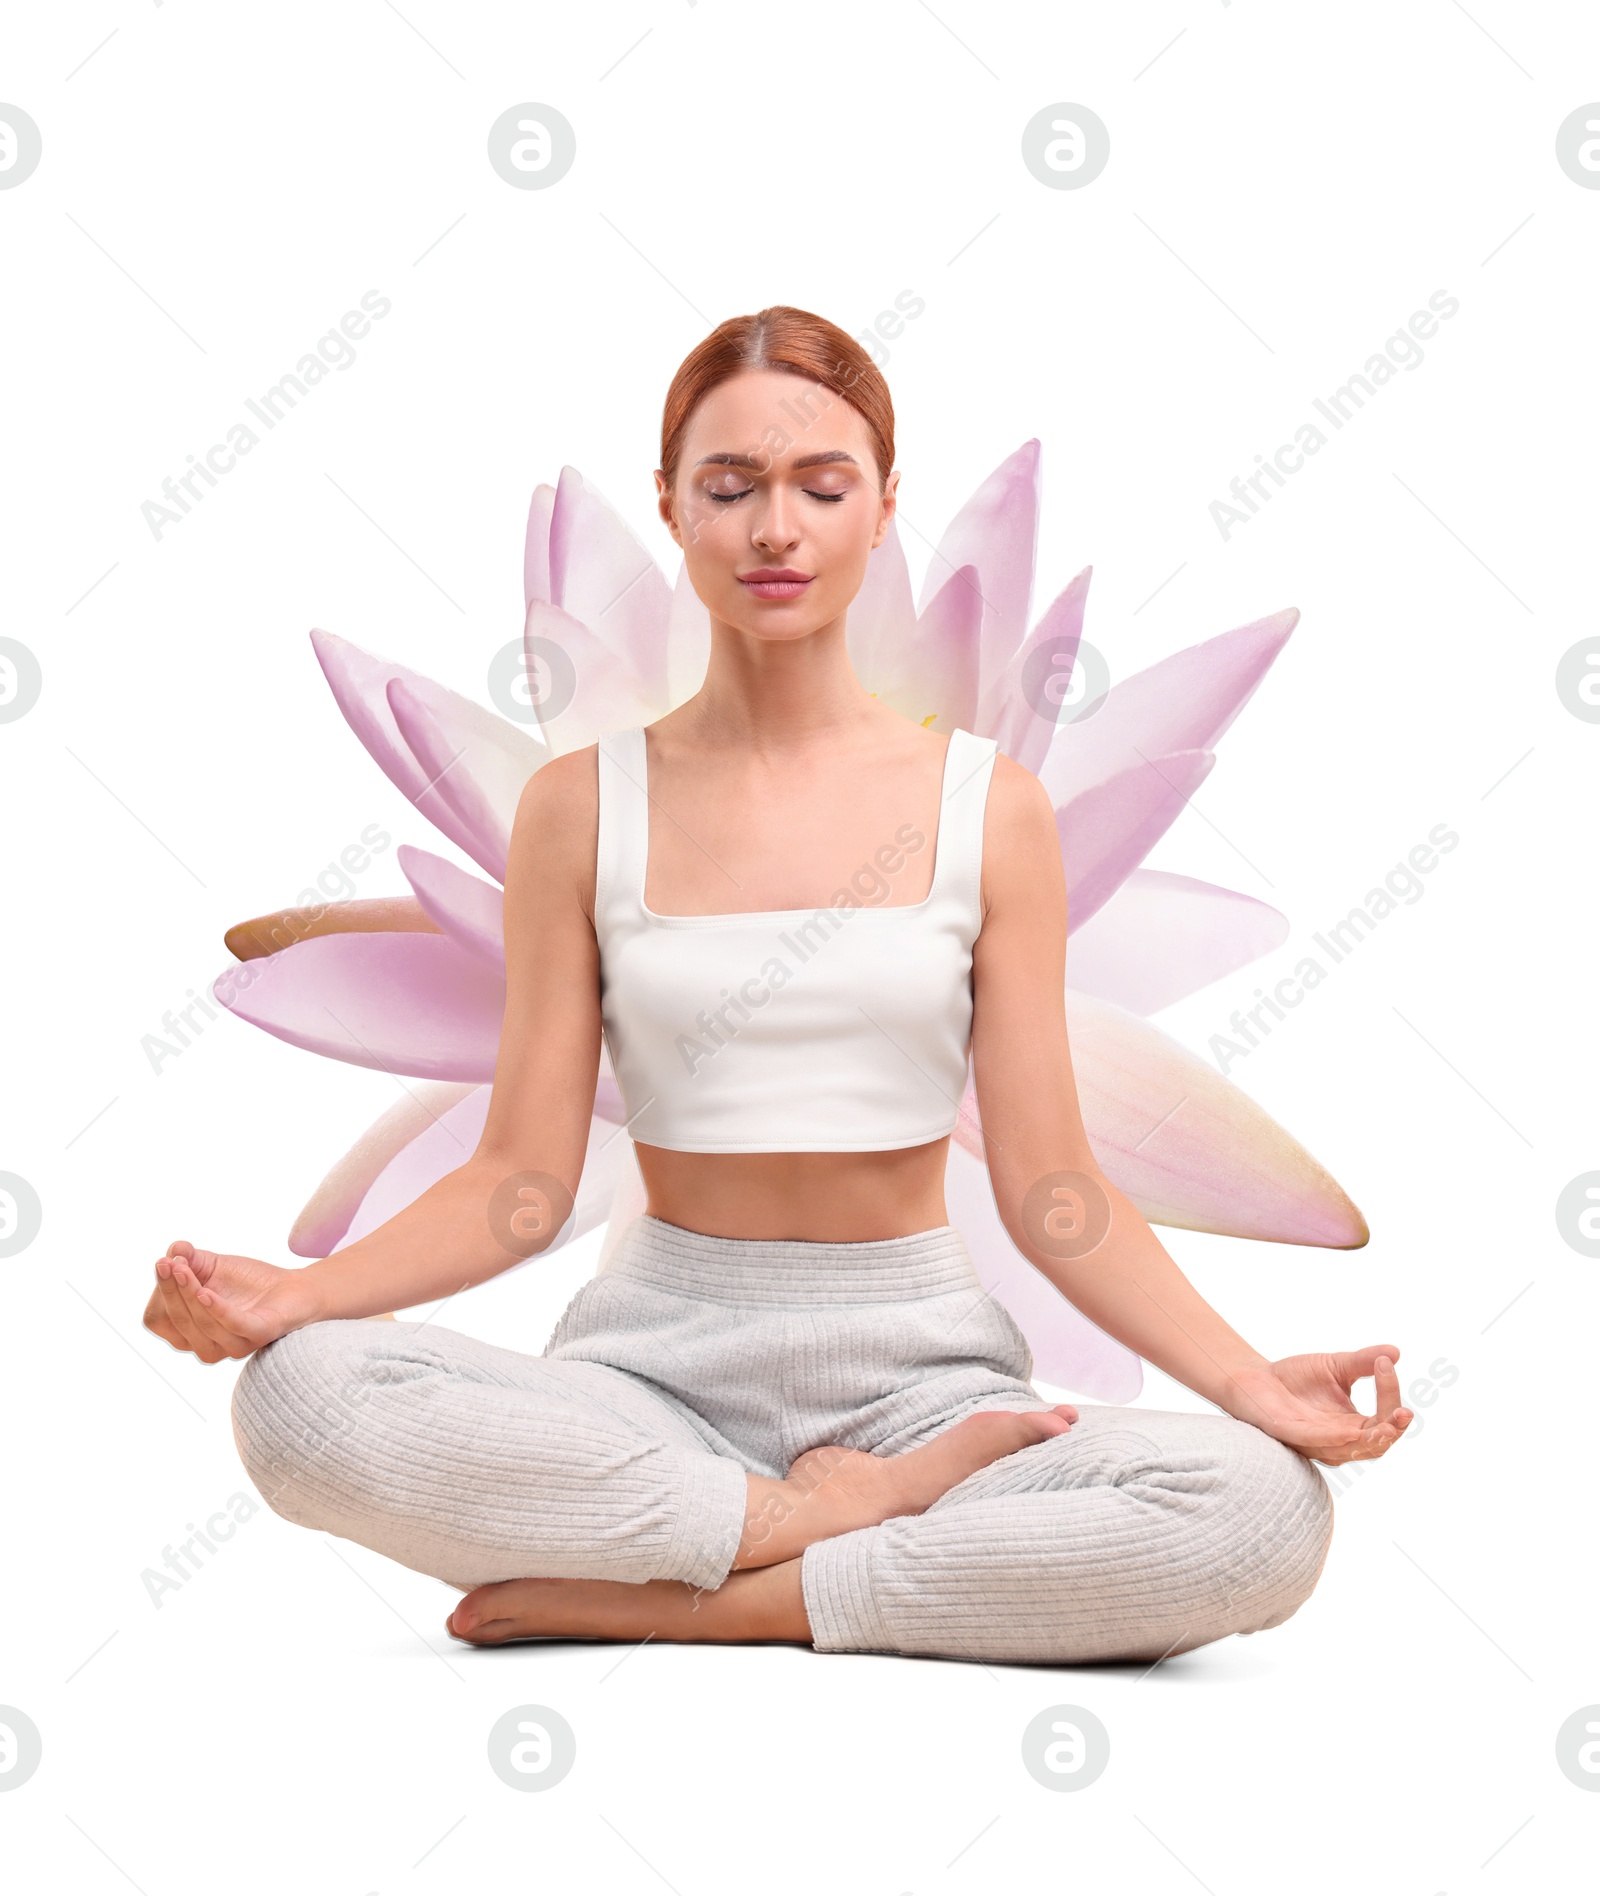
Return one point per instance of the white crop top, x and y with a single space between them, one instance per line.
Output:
838 1029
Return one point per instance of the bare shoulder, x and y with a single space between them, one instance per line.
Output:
1021 845
1019 814
557 826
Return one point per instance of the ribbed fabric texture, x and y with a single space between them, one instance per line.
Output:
621 1453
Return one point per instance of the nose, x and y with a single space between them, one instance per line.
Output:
777 527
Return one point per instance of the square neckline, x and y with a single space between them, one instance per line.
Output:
790 914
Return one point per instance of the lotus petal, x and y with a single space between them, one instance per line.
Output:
688 646
601 575
388 1149
468 910
1163 937
1185 1145
608 1101
1108 831
445 1144
359 681
488 744
936 683
996 531
439 1144
1184 702
326 1215
417 1004
880 627
367 914
1067 1348
536 546
628 1201
606 692
1023 721
476 780
1188 1147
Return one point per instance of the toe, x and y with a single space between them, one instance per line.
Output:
472 1623
474 1609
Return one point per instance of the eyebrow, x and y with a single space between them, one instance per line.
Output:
806 460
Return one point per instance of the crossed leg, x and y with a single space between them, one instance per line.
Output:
1135 1535
1129 1534
479 1464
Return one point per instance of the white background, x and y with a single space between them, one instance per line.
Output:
1287 184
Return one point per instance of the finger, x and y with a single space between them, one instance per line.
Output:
202 1263
158 1323
1387 1385
193 1285
1353 1365
168 1263
189 1335
186 1288
182 1336
204 1318
172 1318
1343 1441
175 1309
1391 1430
230 1341
1367 1448
1377 1438
218 1331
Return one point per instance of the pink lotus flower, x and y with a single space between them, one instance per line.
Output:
416 985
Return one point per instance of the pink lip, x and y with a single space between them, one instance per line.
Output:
781 582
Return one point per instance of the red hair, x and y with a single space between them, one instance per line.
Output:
784 339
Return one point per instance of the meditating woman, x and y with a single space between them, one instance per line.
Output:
787 1409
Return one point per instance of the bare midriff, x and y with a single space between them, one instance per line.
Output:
821 1197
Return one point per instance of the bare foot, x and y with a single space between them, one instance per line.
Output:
827 1491
764 1605
833 1490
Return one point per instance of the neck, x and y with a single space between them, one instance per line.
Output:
775 693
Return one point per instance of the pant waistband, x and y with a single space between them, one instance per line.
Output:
794 1270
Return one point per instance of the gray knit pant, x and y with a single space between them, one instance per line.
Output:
621 1454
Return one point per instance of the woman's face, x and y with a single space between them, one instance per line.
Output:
776 478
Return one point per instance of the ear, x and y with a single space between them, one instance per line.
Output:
665 508
886 507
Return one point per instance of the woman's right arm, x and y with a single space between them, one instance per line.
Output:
511 1197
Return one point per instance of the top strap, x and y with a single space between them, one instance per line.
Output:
623 837
958 860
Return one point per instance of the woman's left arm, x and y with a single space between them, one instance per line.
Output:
1048 1183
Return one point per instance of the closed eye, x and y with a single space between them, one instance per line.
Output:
724 500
